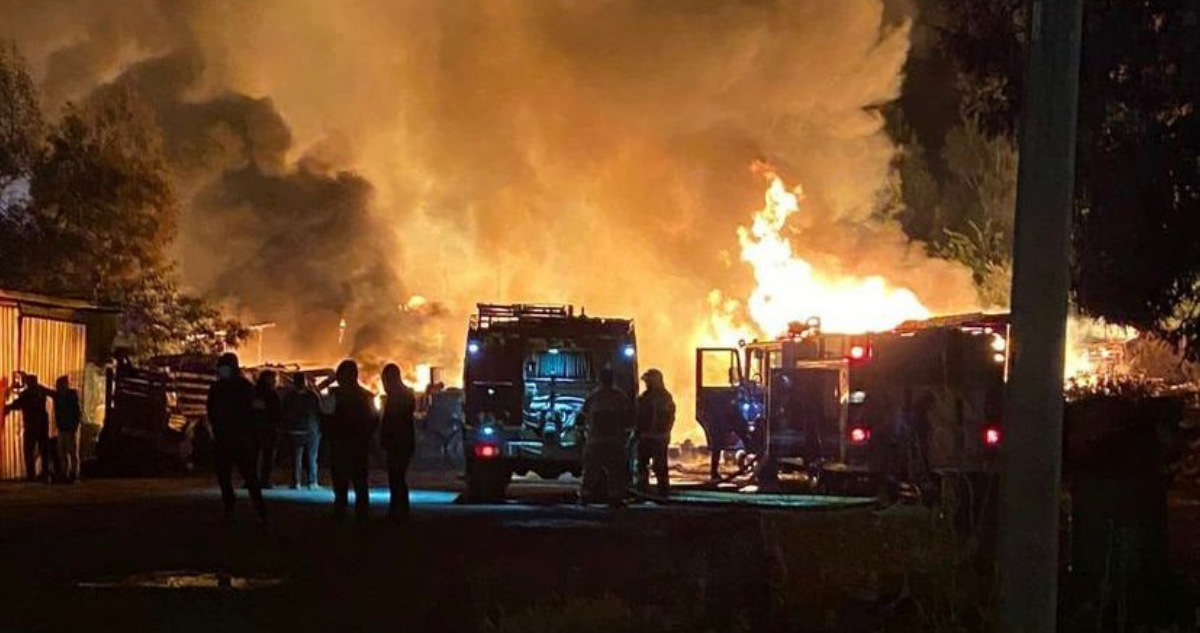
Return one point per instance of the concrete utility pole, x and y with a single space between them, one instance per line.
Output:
1032 453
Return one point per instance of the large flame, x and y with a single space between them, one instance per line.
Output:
789 289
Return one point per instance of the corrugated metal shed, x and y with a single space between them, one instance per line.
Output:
46 337
10 438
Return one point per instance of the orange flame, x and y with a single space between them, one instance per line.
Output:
789 289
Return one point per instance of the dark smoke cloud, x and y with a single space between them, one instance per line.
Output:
291 243
517 150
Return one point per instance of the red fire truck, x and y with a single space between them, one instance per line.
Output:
902 407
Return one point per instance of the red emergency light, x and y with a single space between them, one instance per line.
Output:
991 436
487 451
859 435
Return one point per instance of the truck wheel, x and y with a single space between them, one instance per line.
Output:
486 482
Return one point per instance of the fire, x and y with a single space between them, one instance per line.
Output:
1095 351
789 289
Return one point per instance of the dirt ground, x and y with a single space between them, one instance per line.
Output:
155 555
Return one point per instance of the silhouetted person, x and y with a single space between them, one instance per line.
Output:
68 416
398 437
350 421
267 420
302 423
655 418
231 416
608 414
36 427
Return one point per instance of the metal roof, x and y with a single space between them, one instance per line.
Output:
20 299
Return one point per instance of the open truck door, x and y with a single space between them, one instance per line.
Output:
718 382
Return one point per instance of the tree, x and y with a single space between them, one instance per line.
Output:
979 201
22 129
103 203
986 40
96 213
161 319
22 133
1137 258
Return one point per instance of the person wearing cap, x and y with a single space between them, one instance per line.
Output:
350 421
655 418
607 415
231 417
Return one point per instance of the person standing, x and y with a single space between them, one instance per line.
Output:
36 427
302 421
655 418
68 416
398 437
267 420
231 416
605 465
349 423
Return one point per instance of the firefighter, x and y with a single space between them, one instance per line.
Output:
398 437
302 420
36 427
268 417
605 466
655 417
350 421
68 415
231 416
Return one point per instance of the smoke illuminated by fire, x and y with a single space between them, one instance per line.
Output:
335 160
789 289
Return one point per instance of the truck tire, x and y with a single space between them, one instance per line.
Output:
486 483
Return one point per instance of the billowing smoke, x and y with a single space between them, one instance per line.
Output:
506 150
292 242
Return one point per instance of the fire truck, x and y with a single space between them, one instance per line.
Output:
527 372
859 412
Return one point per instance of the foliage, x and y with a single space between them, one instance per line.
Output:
915 200
985 38
164 320
1137 260
1135 257
1150 356
99 214
103 202
22 129
986 249
966 215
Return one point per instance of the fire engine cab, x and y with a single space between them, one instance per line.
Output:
527 372
859 410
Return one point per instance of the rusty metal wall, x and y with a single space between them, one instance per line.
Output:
10 435
50 349
46 348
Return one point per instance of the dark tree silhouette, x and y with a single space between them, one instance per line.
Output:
1136 253
87 210
1137 220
